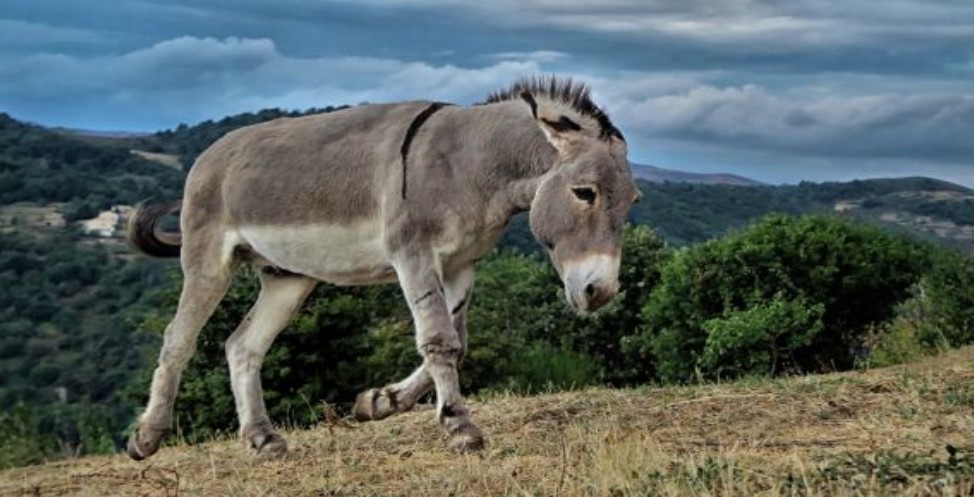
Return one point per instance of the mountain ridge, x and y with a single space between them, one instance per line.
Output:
656 174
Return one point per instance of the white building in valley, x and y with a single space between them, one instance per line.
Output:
108 222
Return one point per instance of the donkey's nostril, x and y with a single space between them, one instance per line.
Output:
589 291
596 296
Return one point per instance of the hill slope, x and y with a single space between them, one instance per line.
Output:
39 165
655 174
879 432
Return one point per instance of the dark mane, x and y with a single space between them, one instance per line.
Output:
573 93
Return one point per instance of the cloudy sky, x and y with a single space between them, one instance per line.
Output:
777 90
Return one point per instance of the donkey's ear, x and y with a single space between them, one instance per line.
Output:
562 132
559 129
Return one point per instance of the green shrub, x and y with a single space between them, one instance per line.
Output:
949 287
544 367
913 334
826 280
760 337
23 439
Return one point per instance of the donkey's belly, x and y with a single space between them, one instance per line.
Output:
343 255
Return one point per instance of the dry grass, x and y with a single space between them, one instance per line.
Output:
882 432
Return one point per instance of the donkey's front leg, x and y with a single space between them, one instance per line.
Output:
440 345
379 403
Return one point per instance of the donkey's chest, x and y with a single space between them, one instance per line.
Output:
464 242
344 255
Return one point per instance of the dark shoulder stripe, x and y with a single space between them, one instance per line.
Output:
411 133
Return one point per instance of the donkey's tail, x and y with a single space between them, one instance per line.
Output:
144 235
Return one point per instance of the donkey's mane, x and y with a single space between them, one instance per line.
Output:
565 90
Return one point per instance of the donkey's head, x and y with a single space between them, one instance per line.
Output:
582 202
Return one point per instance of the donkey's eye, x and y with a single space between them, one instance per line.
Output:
585 194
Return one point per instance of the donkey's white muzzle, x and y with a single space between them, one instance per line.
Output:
591 281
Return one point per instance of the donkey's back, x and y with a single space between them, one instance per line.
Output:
300 195
314 169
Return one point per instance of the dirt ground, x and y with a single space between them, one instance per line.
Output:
905 430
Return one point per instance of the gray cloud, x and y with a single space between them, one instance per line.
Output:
931 126
540 56
187 78
882 87
24 34
770 25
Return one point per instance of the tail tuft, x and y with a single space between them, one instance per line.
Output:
144 236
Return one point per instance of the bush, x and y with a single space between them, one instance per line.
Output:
544 367
949 287
785 295
23 440
760 337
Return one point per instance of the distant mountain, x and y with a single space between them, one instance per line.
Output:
655 174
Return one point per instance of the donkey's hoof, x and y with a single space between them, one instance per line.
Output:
467 438
375 404
265 443
145 441
273 446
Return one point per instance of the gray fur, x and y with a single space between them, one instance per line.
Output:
319 198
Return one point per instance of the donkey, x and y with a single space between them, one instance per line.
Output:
412 192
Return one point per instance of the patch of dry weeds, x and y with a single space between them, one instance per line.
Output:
881 432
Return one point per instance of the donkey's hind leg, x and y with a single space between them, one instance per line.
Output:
205 282
379 403
281 294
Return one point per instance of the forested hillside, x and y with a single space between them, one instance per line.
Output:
688 213
67 345
80 314
40 166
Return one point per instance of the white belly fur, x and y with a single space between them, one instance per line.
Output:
343 255
354 254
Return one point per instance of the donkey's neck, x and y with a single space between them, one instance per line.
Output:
516 153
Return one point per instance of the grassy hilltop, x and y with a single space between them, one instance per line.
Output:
896 431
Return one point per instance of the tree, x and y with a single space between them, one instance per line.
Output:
801 291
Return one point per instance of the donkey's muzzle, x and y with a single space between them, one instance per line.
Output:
591 282
591 297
